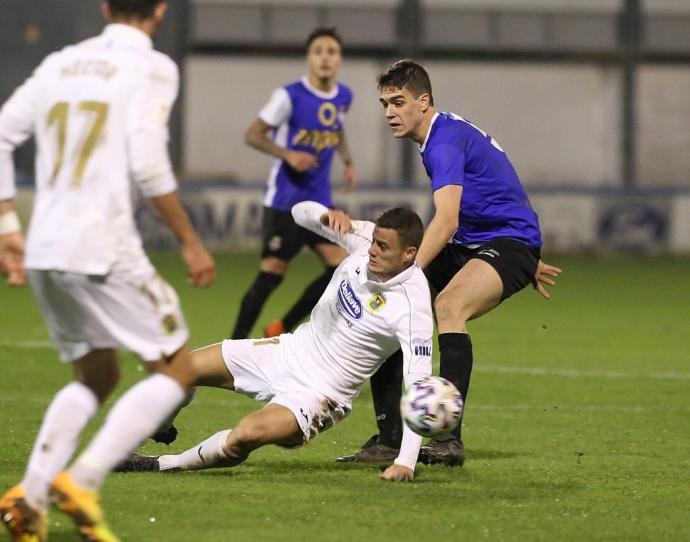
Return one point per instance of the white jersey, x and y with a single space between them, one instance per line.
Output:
99 111
359 322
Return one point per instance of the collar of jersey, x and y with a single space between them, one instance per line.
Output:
316 92
433 119
128 34
397 279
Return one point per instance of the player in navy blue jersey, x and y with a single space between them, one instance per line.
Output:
494 251
306 118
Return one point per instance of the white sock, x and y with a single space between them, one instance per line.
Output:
69 412
205 455
135 416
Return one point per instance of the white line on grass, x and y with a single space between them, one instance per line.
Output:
500 369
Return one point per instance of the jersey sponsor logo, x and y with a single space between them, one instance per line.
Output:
376 302
422 347
349 300
317 139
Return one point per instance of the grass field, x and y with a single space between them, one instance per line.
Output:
577 427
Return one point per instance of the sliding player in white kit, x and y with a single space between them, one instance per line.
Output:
377 301
99 112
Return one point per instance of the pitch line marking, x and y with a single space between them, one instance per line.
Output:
498 369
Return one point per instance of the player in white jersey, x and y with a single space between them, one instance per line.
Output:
99 111
377 301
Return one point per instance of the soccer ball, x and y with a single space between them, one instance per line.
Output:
431 406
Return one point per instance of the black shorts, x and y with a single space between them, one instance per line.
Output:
514 261
283 238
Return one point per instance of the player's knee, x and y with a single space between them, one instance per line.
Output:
449 307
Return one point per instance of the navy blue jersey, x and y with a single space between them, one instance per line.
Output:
305 120
494 203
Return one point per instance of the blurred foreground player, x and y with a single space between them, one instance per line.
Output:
99 112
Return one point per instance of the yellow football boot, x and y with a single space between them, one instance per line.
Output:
23 522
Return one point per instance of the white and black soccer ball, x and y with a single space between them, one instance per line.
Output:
431 406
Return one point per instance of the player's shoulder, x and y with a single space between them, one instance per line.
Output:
447 130
416 287
295 86
162 66
344 91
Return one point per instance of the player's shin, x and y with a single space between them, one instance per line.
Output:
69 412
304 305
208 454
253 301
137 414
456 364
386 390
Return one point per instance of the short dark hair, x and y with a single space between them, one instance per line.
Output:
406 73
321 31
138 9
404 221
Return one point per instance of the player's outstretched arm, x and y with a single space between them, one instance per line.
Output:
545 276
201 268
334 225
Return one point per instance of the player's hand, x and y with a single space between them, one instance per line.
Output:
301 161
339 222
350 178
201 269
545 276
12 258
397 473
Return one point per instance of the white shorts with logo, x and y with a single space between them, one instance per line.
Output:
134 311
261 369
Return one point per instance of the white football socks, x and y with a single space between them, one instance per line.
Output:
205 455
135 416
69 412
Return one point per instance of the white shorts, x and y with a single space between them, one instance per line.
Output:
261 369
134 311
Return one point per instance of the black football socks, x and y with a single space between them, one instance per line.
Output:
308 299
456 364
253 301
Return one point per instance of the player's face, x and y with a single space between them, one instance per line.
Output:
404 112
387 257
324 57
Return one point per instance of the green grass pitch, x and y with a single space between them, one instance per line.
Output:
577 425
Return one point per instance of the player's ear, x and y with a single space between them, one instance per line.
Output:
105 9
424 102
409 255
160 11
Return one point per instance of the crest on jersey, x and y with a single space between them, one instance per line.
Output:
376 302
169 324
349 301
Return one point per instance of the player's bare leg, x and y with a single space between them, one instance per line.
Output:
473 291
213 376
273 424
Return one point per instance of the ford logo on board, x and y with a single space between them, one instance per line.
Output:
349 301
